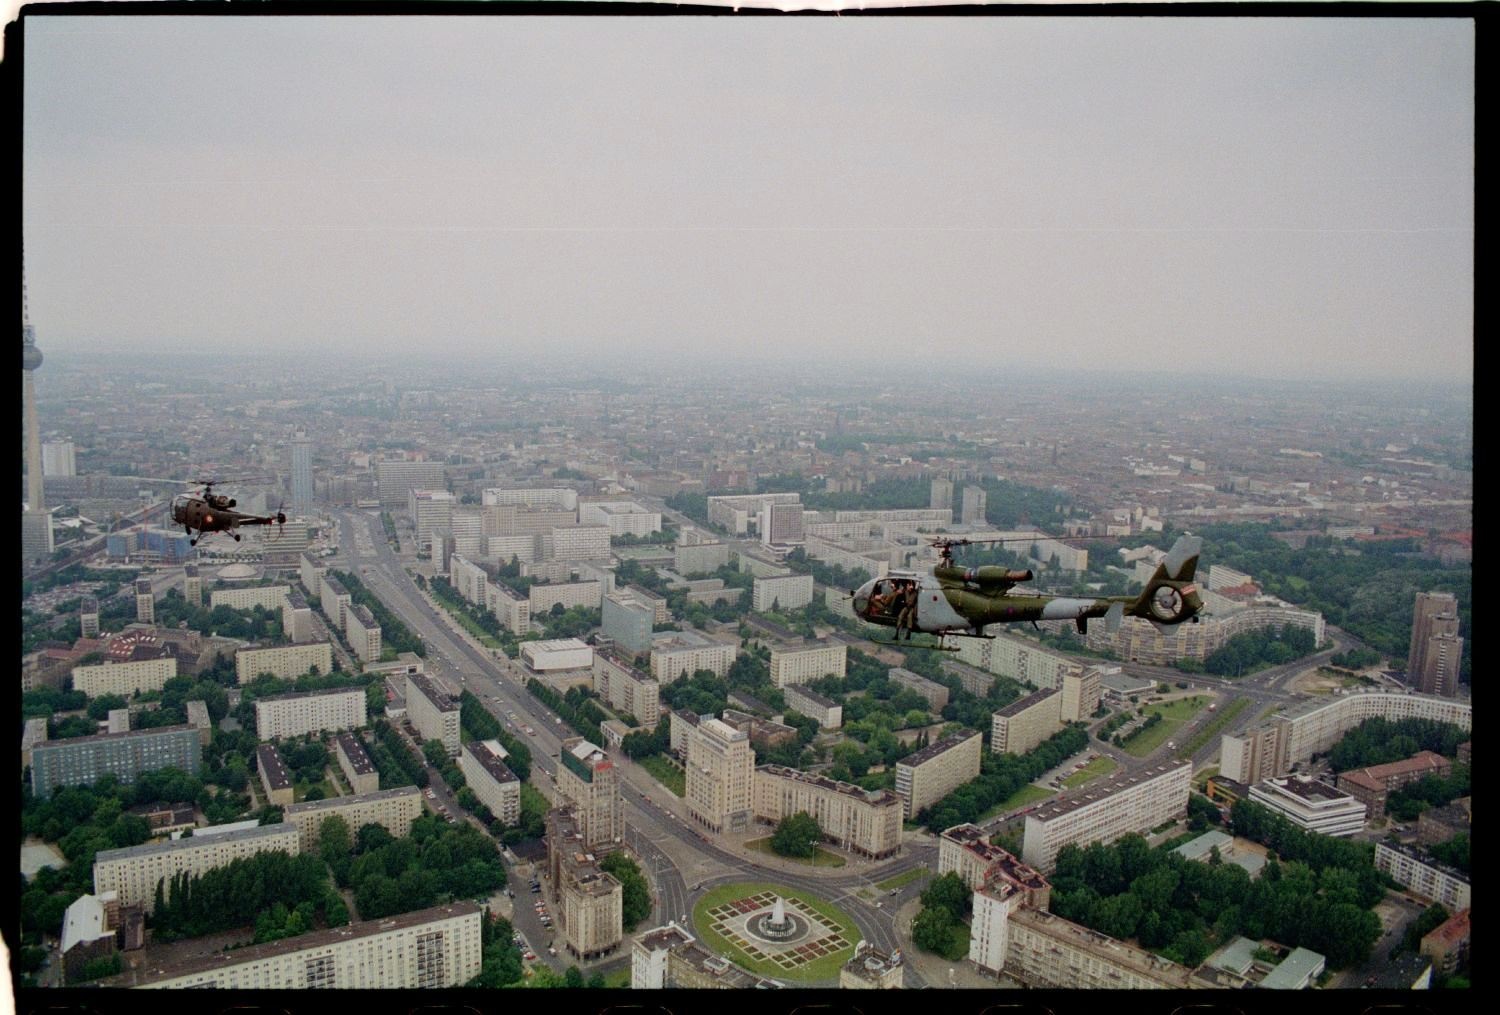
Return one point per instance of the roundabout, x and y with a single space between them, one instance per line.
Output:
771 930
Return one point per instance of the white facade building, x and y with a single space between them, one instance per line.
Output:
292 715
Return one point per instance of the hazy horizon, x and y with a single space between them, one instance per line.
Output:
1232 197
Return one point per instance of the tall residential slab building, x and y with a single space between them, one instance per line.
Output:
924 778
1432 663
720 773
1103 813
302 475
974 504
591 782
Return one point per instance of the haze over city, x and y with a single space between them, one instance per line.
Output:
1280 198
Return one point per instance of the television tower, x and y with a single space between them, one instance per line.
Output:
36 523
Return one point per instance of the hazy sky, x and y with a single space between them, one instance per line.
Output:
1253 197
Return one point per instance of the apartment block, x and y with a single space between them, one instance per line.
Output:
334 600
1026 722
82 761
924 778
1373 784
1046 951
701 558
935 693
145 602
589 595
286 662
395 480
1425 876
310 571
134 872
622 518
393 809
627 622
1018 658
275 780
828 713
512 610
678 654
1082 690
862 821
733 512
496 786
1104 812
1298 732
555 497
431 512
580 542
811 660
301 712
590 900
125 679
626 689
788 592
430 948
589 780
967 851
268 597
354 761
363 633
720 769
468 579
296 618
1009 886
433 714
1436 648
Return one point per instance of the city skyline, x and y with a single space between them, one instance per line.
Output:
1264 198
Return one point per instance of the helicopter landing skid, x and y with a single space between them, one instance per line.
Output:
908 643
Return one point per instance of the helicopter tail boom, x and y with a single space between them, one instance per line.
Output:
1171 597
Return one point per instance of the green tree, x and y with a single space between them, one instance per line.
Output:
797 835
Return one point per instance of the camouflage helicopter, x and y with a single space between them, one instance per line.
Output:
208 512
963 601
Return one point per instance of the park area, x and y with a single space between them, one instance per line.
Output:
1174 715
1093 770
818 939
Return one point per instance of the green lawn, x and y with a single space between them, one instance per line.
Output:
468 624
1173 715
1212 728
821 858
901 880
666 773
1025 795
825 968
620 978
1093 770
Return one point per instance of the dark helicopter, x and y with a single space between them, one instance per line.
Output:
207 512
963 601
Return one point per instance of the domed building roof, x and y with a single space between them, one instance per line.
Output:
237 573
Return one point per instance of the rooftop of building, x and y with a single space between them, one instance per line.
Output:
272 768
432 692
556 645
354 750
871 964
196 839
1020 705
363 615
1095 792
1308 790
931 751
661 938
1422 857
1115 952
334 584
95 738
304 942
750 702
869 796
1451 932
1422 761
492 764
358 798
806 692
330 692
1294 971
